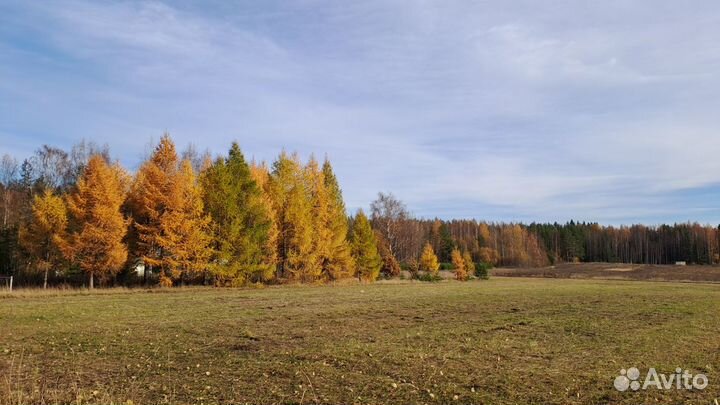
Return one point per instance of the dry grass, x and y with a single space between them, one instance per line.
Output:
617 271
503 341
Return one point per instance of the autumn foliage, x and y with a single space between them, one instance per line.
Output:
184 218
97 226
44 236
428 260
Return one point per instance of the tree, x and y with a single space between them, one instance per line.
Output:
339 262
461 272
150 198
8 176
52 167
97 227
469 264
244 234
447 243
390 267
489 256
387 214
428 260
364 248
261 175
320 214
293 210
42 239
184 229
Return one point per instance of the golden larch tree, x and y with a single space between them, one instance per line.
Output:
428 260
184 230
459 265
149 198
44 236
261 175
364 248
320 214
339 262
97 226
293 209
469 264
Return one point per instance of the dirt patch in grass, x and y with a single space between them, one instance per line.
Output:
502 341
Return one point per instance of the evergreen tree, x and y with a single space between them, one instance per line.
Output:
242 221
447 243
42 239
98 227
428 260
461 272
364 247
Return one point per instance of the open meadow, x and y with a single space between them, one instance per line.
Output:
502 341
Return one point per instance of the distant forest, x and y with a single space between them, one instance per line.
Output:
75 216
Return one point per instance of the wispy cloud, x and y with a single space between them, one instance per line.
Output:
604 111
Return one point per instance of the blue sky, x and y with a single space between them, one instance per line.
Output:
524 110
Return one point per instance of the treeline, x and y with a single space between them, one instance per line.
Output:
665 244
76 217
538 245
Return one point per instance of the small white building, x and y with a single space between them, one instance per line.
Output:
680 263
139 269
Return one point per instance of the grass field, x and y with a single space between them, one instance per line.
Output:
502 341
618 271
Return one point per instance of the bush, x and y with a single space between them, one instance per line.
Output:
482 270
447 266
429 277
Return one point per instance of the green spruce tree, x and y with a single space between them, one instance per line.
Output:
241 221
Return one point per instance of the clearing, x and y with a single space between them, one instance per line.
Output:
502 341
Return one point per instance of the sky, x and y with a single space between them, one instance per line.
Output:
603 111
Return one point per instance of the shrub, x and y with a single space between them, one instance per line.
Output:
429 277
482 270
447 266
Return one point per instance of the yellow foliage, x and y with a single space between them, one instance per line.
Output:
44 236
95 242
428 260
458 262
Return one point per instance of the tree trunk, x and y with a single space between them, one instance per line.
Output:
92 280
45 278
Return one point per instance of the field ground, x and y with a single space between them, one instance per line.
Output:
502 341
618 271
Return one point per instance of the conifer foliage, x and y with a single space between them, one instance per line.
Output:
170 228
44 236
242 226
469 264
288 186
97 227
461 271
364 248
231 222
428 260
